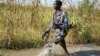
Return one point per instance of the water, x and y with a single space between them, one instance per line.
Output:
78 50
48 50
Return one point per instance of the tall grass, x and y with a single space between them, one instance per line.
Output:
84 17
22 26
82 32
16 27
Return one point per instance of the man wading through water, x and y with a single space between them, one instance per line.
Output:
60 24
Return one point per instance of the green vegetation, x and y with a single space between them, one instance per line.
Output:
87 20
22 26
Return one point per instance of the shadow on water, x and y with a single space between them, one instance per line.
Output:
87 53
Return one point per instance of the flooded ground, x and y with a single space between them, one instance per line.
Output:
23 52
76 50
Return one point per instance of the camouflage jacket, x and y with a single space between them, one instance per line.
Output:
59 20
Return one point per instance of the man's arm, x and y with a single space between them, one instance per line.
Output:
64 21
50 26
48 29
67 23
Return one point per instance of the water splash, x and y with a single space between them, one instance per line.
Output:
48 50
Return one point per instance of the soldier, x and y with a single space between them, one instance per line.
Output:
60 23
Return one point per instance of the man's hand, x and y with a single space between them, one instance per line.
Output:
44 34
71 26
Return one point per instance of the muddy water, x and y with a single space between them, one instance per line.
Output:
76 50
23 52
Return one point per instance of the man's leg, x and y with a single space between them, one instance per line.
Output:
63 45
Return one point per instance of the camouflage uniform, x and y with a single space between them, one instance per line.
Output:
60 24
